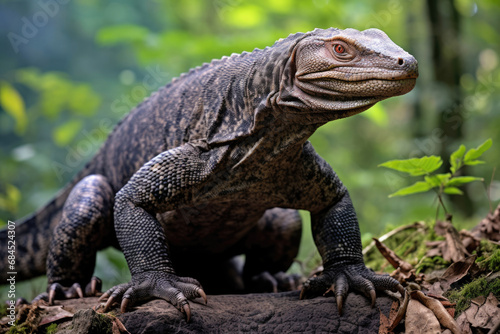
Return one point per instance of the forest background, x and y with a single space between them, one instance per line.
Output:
71 69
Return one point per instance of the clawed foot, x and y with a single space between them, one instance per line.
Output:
56 291
148 285
355 276
266 282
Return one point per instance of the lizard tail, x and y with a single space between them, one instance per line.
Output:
32 236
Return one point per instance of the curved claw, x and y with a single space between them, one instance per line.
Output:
104 296
400 289
373 297
79 290
110 302
52 295
340 301
94 286
187 310
124 305
302 293
203 295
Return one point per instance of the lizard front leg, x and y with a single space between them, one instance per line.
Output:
337 237
163 184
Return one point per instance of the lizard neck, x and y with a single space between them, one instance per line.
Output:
273 138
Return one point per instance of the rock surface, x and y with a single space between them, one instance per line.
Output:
252 313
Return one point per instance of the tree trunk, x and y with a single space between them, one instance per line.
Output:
447 65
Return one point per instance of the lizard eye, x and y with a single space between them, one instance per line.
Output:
338 48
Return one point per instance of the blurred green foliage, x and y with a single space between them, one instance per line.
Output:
69 69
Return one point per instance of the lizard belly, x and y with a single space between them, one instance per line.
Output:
212 228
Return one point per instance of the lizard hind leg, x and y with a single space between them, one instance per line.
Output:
271 247
85 227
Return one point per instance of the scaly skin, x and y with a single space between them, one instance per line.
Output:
219 159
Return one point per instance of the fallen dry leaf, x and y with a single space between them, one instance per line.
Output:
445 319
404 271
55 313
118 327
386 321
451 249
441 226
470 240
484 316
464 324
453 273
420 320
489 227
401 312
392 257
456 271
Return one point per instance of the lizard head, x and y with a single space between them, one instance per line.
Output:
343 72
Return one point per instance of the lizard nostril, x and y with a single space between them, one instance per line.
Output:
401 61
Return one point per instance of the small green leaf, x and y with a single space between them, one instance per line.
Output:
415 166
459 180
475 153
438 179
456 159
453 191
10 201
13 104
474 162
417 187
64 134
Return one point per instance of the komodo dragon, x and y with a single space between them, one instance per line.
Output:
215 164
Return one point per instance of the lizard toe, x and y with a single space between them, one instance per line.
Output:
113 295
341 279
149 285
57 291
288 282
316 286
94 287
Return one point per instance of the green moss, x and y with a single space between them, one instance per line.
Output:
428 264
19 329
409 245
476 288
52 329
488 256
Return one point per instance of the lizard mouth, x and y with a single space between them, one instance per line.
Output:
341 89
353 74
349 81
327 95
354 81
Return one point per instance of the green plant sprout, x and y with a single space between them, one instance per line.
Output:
447 183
